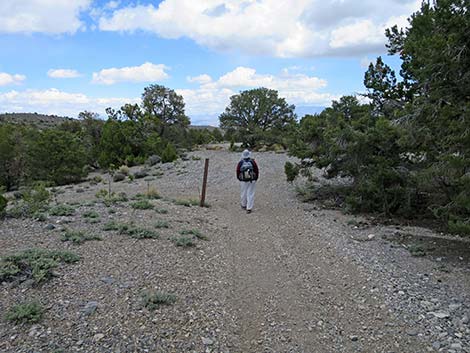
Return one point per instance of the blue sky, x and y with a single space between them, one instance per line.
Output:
63 57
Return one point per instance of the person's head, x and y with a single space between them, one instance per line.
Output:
246 154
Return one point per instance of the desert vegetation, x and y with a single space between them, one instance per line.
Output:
63 153
104 244
406 153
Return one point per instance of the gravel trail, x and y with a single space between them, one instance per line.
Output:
291 290
289 277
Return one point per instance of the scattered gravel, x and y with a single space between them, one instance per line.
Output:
290 277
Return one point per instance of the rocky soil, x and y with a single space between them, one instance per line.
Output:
290 277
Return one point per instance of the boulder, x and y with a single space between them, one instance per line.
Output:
153 159
140 174
118 177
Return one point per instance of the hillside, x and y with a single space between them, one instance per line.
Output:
203 127
48 121
39 120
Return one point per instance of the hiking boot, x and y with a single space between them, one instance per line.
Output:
248 211
243 207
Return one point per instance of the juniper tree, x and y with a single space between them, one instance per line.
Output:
258 116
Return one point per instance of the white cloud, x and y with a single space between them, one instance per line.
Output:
45 16
208 99
247 77
399 21
146 72
204 78
54 101
244 77
204 100
63 73
7 79
289 28
356 34
211 97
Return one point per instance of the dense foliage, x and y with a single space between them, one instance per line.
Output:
258 117
408 151
28 154
62 153
3 205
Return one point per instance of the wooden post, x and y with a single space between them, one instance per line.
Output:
204 183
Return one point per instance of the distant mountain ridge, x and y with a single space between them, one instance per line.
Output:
202 127
49 121
39 120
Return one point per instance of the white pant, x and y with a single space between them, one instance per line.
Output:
247 194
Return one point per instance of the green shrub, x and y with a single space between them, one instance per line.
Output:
139 160
329 194
119 197
152 300
417 250
93 220
138 196
111 199
30 312
37 196
184 242
187 202
40 217
33 263
78 237
277 147
459 227
57 156
19 210
124 169
131 230
162 224
291 170
142 205
140 233
3 205
169 153
101 194
96 179
405 152
195 233
90 214
112 225
33 200
62 210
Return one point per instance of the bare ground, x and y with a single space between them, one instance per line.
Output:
290 277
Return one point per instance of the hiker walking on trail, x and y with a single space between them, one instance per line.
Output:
247 173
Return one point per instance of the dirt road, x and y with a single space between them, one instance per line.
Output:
289 277
289 287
